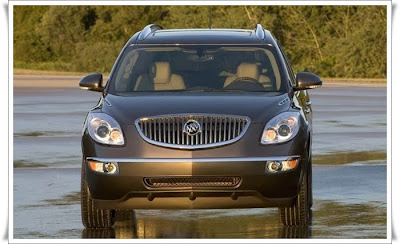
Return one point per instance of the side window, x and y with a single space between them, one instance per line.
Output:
125 70
288 65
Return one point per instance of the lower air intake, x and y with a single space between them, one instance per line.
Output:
171 182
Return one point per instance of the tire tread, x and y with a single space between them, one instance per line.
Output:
93 217
298 214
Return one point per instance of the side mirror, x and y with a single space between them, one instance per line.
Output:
305 80
92 82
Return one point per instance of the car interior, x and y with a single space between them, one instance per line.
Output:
193 69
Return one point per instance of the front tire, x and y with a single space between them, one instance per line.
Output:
299 214
92 217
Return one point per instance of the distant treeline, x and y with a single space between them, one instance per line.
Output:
332 41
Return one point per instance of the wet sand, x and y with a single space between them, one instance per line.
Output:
349 202
349 176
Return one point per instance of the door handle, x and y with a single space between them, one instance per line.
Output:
307 110
308 103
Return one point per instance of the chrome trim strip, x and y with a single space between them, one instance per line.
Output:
188 147
192 160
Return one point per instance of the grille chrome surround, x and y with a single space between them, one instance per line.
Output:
194 181
168 130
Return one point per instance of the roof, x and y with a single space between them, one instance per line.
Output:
203 36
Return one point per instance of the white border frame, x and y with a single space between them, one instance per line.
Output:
310 2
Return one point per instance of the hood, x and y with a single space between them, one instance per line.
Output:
258 107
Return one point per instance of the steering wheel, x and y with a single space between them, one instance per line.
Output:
255 83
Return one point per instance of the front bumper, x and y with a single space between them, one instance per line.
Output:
258 187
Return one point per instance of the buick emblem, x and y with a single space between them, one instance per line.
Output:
192 127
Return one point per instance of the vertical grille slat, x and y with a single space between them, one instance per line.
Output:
155 130
173 131
159 130
178 137
224 129
169 131
150 131
234 129
184 137
220 130
210 132
214 130
164 131
229 128
205 131
201 134
145 129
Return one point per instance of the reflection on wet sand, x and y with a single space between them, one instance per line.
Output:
337 220
330 220
157 225
349 202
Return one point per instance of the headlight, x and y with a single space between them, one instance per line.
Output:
281 128
104 129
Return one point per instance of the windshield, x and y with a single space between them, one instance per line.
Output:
186 69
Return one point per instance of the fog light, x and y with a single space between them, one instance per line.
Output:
274 166
107 168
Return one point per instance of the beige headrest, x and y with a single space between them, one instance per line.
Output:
248 70
161 72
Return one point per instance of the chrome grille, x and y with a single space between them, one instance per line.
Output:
196 181
215 130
